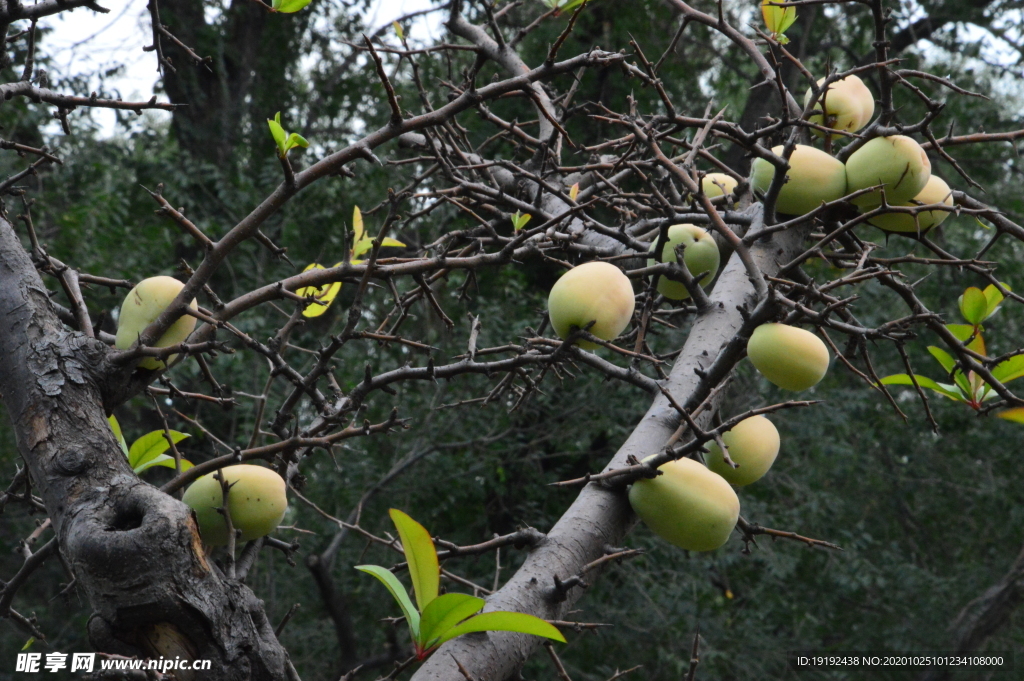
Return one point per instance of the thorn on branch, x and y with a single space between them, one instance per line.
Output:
462 670
287 617
750 530
553 52
559 592
694 656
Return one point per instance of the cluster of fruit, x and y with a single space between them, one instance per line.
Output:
256 498
694 505
690 504
898 164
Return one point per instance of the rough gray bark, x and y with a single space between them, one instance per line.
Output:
135 552
601 517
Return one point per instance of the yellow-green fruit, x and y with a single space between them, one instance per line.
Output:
593 292
789 357
142 306
814 177
898 162
713 182
687 505
257 502
935 191
753 444
700 253
849 105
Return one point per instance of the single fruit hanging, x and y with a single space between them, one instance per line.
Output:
935 191
898 163
753 444
700 253
256 501
848 106
687 505
790 357
813 178
142 306
593 292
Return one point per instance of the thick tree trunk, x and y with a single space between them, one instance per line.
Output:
600 517
134 551
251 56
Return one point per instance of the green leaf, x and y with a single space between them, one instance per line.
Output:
328 293
164 460
973 306
324 295
962 331
519 220
994 298
290 6
943 357
1009 369
776 18
398 30
569 4
412 616
962 382
504 621
295 140
1016 414
953 392
277 132
362 246
965 332
150 446
357 225
924 382
29 642
444 612
116 427
421 556
977 385
366 243
978 344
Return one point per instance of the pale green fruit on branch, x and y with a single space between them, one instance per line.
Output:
849 105
753 444
687 505
593 292
712 184
790 357
700 253
257 502
898 162
142 306
814 177
935 191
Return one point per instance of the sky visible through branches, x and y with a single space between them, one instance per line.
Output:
86 43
